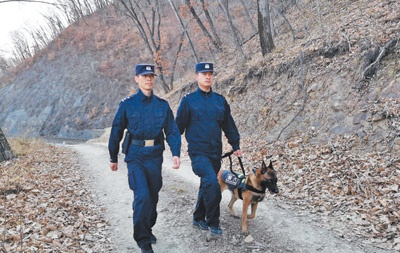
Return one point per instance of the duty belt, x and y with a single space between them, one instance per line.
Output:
145 143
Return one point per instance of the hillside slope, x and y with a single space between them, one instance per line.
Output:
340 76
324 107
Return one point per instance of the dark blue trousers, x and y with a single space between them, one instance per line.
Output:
145 180
209 197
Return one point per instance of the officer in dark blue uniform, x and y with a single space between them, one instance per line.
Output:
147 119
203 115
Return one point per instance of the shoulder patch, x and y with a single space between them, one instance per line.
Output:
127 98
188 94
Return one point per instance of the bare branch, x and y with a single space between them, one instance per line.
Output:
184 30
235 33
217 44
30 1
382 51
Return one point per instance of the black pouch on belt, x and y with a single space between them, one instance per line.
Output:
126 143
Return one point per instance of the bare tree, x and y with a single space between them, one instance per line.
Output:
281 11
21 46
56 25
100 4
147 20
234 31
176 57
246 10
40 37
27 1
210 21
74 10
214 39
4 64
264 27
5 149
184 30
69 12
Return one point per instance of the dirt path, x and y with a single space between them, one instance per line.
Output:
276 227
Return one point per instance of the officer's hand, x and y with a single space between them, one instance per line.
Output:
238 153
114 166
176 161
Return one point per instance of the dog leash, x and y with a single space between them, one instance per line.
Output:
229 154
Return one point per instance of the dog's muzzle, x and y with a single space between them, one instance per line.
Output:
274 191
271 186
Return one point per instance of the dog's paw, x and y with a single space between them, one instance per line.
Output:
249 216
235 216
245 232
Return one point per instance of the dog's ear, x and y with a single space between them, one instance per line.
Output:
270 165
263 168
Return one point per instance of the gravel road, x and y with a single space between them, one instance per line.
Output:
277 226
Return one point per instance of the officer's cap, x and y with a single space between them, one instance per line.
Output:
145 69
204 67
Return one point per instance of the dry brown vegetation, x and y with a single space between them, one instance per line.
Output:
360 192
45 205
339 183
334 181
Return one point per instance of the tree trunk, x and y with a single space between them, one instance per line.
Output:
210 22
214 41
235 33
147 19
184 30
246 10
5 149
264 27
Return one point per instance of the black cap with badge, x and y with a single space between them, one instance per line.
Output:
145 69
204 67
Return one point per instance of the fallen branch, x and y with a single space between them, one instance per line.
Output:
383 50
363 77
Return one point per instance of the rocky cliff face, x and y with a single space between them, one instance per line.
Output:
58 99
316 88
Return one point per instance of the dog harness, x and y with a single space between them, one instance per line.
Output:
238 182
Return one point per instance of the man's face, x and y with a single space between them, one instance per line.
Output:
204 80
146 82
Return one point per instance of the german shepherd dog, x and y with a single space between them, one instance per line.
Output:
251 189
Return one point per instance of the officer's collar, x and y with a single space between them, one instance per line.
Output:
143 97
205 93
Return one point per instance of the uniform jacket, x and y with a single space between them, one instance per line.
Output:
203 116
146 118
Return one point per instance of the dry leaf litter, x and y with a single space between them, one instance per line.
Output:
329 181
46 205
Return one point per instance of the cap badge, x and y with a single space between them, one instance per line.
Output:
207 66
148 68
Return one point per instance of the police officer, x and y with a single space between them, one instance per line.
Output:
203 115
147 118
